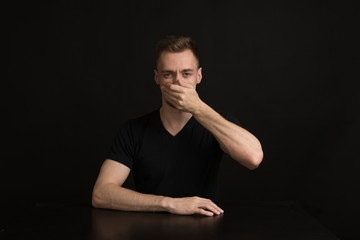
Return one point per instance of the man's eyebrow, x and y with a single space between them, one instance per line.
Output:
184 70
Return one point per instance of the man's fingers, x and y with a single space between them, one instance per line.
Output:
173 88
170 97
169 91
173 97
217 207
212 206
213 209
205 212
185 84
176 88
173 101
195 205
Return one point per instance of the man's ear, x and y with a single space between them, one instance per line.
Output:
199 75
156 76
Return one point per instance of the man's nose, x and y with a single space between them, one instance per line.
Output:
177 79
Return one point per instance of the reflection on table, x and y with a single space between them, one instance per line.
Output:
245 220
108 224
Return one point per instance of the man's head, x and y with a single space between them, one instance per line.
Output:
174 44
177 61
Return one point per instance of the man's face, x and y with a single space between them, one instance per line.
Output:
178 67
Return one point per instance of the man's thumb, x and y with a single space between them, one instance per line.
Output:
185 84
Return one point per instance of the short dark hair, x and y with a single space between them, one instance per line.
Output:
176 44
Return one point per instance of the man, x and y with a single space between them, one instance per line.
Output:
174 151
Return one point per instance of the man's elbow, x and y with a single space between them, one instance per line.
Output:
96 199
255 159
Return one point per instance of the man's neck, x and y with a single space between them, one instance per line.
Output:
173 119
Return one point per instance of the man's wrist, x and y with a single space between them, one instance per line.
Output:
200 109
165 203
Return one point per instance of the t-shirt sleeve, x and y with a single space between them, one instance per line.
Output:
230 118
123 148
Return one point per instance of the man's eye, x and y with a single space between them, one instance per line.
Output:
167 75
186 74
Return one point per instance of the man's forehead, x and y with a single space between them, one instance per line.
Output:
185 59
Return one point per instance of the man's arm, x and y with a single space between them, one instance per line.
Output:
234 140
109 193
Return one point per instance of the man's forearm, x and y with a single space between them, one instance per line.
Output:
112 196
240 144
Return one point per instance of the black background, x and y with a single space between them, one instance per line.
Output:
77 71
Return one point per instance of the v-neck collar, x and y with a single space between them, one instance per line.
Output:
179 132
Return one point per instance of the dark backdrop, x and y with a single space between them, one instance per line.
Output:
76 72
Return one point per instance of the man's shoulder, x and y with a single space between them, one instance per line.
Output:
138 124
143 119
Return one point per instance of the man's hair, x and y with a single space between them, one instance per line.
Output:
176 44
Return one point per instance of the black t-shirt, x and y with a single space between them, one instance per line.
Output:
176 166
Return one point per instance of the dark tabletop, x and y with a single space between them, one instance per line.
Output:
251 220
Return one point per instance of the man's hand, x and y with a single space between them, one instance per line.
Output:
183 97
193 205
